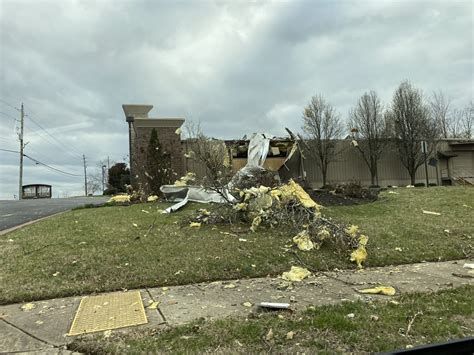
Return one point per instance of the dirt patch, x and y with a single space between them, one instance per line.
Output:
327 198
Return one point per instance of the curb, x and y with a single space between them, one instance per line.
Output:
5 231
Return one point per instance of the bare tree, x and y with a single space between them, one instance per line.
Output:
322 125
440 111
213 155
463 122
412 124
368 124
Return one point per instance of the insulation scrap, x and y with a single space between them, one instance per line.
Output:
152 198
28 306
303 241
352 230
432 213
360 254
296 274
323 233
383 290
293 191
195 224
240 206
153 304
255 223
120 198
186 179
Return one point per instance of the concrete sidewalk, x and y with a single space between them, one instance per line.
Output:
44 328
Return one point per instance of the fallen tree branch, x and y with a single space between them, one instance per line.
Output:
412 320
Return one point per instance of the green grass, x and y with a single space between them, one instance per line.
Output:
398 221
97 249
444 316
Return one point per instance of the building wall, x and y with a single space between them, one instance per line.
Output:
170 142
349 166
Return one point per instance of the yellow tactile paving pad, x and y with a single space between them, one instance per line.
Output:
109 311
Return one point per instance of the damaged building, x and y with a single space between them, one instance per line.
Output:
452 164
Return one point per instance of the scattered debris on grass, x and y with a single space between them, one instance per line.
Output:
152 198
360 254
383 290
274 305
28 307
269 335
303 241
120 199
195 224
296 274
432 213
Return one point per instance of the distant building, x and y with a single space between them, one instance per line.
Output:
36 191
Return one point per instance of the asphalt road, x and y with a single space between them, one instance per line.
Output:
14 212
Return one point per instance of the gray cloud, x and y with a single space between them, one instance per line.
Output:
237 66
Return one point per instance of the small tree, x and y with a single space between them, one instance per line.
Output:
119 176
157 165
370 131
322 126
213 155
412 124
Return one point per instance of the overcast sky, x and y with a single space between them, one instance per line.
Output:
236 66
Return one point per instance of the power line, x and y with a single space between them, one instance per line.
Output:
10 151
50 167
41 163
53 137
61 144
10 105
8 115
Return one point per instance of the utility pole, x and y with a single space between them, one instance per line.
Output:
103 178
20 136
85 173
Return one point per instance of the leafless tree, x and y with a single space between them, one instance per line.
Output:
213 155
368 124
440 111
322 125
463 122
412 123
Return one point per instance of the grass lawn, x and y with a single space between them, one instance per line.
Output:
377 326
97 249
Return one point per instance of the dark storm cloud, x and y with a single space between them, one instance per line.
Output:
237 66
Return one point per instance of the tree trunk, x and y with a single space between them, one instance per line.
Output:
412 178
324 173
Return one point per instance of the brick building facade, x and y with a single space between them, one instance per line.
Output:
140 128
